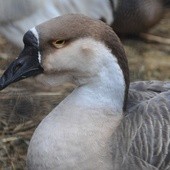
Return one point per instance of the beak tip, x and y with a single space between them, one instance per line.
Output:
1 86
3 83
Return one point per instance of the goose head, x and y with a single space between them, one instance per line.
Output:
70 48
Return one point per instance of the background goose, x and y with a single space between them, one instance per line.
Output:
96 126
125 16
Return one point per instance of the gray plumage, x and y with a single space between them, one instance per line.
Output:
144 133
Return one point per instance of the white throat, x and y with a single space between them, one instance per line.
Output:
81 126
106 88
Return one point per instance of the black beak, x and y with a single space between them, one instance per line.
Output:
26 65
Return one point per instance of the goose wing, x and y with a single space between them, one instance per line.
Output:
144 133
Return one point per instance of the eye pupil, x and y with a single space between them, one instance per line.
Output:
59 42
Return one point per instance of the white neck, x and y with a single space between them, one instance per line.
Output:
77 133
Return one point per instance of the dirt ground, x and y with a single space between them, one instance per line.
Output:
20 103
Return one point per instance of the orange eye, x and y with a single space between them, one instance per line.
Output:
58 43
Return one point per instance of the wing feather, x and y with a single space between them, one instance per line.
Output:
144 133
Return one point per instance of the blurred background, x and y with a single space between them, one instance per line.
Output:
24 104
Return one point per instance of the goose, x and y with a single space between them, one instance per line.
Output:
106 123
124 16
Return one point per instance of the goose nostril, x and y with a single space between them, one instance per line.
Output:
17 67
